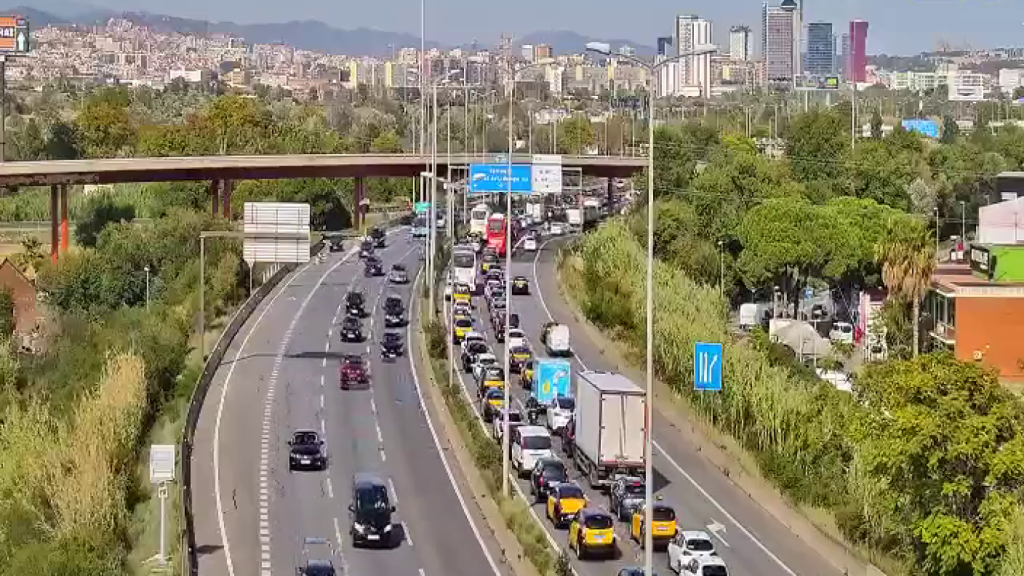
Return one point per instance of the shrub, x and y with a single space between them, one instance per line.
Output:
101 209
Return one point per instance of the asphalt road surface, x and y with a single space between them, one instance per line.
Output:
281 374
752 542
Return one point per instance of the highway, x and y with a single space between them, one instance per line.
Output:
281 374
751 541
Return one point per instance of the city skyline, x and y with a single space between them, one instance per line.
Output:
461 21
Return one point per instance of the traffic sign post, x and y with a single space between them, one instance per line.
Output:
707 366
161 471
15 40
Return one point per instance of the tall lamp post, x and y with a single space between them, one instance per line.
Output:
512 72
432 224
653 69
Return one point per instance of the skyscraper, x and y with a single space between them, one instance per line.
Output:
858 50
691 32
664 45
739 43
820 55
844 60
777 43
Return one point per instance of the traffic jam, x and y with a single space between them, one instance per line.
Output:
576 441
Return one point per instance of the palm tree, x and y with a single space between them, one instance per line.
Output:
907 258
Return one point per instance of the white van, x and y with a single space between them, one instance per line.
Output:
556 340
529 444
751 314
841 332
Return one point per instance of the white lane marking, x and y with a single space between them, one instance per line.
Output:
380 437
321 398
329 334
327 346
337 532
684 473
383 456
323 363
437 443
422 573
394 493
408 534
323 427
373 405
264 501
220 415
330 488
321 380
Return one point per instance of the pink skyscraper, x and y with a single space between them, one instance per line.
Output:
858 58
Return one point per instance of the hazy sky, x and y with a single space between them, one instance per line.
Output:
897 26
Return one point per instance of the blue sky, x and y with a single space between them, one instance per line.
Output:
897 26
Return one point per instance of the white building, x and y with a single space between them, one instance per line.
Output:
739 43
691 32
1010 79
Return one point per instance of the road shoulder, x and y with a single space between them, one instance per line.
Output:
721 450
511 553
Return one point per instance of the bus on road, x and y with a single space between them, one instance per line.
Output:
420 226
478 217
497 229
464 266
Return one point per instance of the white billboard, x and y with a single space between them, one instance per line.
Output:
966 93
276 232
546 173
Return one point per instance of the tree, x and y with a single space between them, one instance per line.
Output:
29 142
816 144
6 313
575 135
950 130
63 142
942 443
101 209
386 143
923 197
106 129
907 257
876 125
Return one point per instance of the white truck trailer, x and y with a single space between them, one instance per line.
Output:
609 428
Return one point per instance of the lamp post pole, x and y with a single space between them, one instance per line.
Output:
652 69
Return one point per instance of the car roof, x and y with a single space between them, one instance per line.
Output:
594 512
366 479
518 278
709 561
473 334
304 431
694 535
533 431
485 356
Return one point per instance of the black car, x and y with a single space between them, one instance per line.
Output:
351 329
379 237
626 495
335 243
520 286
545 473
366 249
306 451
398 275
391 345
355 304
470 353
370 512
374 267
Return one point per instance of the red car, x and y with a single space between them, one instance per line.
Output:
354 372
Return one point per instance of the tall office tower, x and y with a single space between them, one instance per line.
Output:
858 50
691 32
796 14
777 43
820 54
664 45
844 60
739 43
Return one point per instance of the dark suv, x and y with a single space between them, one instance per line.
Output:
306 451
351 329
370 512
374 267
394 312
379 237
355 304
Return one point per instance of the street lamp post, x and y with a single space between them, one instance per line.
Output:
431 244
605 49
147 286
512 72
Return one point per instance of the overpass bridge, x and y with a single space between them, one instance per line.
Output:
222 171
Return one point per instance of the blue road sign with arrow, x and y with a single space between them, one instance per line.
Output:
707 366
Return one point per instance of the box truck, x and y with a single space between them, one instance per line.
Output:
552 378
609 427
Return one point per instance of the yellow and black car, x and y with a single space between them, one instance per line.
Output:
461 326
592 531
520 286
565 500
663 525
526 374
462 293
517 358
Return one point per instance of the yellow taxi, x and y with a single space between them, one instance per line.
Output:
564 501
518 356
461 326
592 531
663 525
526 374
492 377
461 294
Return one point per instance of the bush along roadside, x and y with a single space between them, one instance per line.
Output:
914 466
486 456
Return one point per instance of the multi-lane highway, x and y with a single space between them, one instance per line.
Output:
281 374
751 541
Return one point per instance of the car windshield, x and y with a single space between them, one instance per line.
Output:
598 522
477 348
353 362
372 498
463 259
520 350
634 489
420 222
554 469
305 438
495 394
565 403
495 374
520 280
490 258
354 298
319 570
572 492
714 571
699 545
398 267
351 323
463 323
392 337
495 225
536 443
514 416
393 302
662 514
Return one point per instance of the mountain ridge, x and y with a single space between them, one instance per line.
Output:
307 34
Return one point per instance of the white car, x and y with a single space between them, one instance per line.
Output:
688 544
556 229
516 338
472 336
462 308
559 412
515 418
448 290
530 443
530 244
483 361
841 332
703 566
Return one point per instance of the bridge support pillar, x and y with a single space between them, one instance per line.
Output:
65 231
611 192
215 195
360 195
54 222
227 187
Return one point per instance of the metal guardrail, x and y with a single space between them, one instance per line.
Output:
190 559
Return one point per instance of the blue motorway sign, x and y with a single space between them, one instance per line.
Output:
929 128
707 366
493 178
